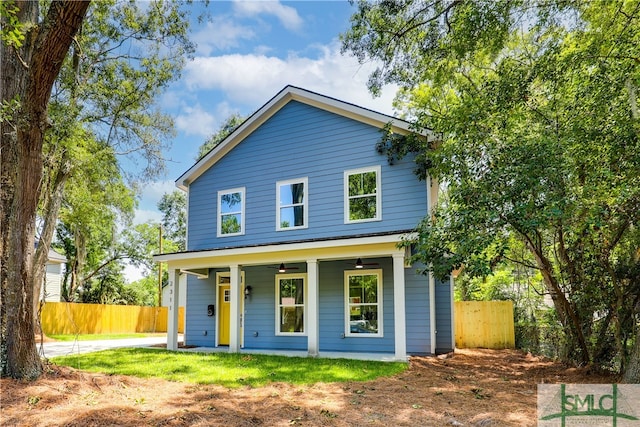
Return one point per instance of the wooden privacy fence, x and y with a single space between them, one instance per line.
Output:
484 324
74 318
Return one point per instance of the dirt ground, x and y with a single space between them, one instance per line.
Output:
470 387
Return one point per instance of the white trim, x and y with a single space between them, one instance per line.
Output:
291 93
235 316
313 308
399 309
289 248
305 203
220 274
173 308
378 170
379 303
186 221
453 323
242 191
279 277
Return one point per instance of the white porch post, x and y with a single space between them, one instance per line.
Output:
234 321
399 315
173 304
313 312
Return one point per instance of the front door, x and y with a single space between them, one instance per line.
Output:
224 313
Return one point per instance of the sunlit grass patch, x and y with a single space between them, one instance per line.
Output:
229 370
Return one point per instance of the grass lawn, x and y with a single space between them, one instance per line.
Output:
94 337
228 370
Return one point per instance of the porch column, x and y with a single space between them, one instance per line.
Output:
234 318
313 311
173 303
399 316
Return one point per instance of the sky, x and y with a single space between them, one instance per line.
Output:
246 53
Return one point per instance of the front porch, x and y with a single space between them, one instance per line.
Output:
310 256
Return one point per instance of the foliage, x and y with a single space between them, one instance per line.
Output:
535 106
228 369
174 217
12 33
231 124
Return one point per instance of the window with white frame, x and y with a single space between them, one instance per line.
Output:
363 292
362 201
290 304
292 199
231 212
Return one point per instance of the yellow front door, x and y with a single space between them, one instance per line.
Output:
224 313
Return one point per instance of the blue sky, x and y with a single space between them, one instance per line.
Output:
247 52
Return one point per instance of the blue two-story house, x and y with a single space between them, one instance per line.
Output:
293 227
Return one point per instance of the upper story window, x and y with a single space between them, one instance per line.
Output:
362 200
290 304
363 305
231 212
292 198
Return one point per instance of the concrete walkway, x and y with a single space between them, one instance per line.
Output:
64 348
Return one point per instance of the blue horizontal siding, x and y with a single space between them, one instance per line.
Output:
417 310
303 141
260 310
201 292
444 309
332 311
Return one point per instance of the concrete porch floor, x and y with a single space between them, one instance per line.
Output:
380 357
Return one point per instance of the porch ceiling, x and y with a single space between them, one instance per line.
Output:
365 247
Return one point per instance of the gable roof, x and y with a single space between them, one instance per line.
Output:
289 93
54 257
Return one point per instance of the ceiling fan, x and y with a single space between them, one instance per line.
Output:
359 264
283 269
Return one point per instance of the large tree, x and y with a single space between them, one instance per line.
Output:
103 109
536 106
29 69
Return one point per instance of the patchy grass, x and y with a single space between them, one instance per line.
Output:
95 337
228 370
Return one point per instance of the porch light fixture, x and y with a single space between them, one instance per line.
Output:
359 263
247 291
282 268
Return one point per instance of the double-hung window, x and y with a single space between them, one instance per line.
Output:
362 198
293 201
290 304
363 314
231 212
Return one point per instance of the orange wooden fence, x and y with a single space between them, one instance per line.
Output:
74 318
484 324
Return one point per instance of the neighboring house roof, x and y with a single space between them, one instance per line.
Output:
54 257
289 93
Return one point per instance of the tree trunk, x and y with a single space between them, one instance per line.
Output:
28 74
632 371
53 197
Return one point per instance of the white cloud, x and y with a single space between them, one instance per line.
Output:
287 15
194 120
150 195
221 34
252 79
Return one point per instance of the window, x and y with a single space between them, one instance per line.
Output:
290 291
231 212
363 291
362 195
292 200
